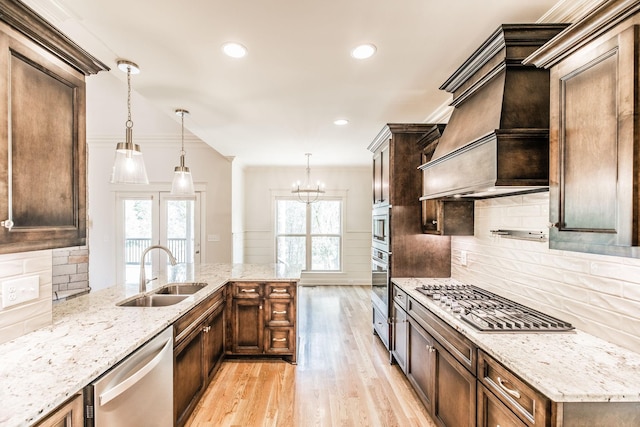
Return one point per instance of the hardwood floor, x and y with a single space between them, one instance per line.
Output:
343 376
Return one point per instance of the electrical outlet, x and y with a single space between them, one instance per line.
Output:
16 291
463 258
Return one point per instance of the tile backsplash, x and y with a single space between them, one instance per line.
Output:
28 316
598 294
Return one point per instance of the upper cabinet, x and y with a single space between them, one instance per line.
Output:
42 133
594 132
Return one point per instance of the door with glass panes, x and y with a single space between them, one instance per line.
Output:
150 218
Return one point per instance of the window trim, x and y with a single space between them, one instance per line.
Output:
308 235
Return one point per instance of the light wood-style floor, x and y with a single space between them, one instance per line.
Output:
343 376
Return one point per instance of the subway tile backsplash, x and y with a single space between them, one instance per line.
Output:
598 294
28 316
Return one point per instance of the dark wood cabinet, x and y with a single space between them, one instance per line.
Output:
381 175
198 352
594 137
42 139
262 319
441 366
69 414
492 412
448 217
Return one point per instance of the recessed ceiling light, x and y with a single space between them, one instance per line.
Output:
341 122
363 51
234 50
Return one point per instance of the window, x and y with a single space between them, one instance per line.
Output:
309 235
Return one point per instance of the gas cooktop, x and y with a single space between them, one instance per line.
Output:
489 312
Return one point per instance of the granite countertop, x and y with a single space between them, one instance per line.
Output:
565 367
90 334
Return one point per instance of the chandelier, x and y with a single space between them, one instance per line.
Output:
306 192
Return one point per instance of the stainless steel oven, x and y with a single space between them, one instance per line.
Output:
380 228
380 263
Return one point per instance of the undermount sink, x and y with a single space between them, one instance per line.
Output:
153 300
180 289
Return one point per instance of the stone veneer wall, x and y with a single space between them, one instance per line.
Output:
70 271
26 317
599 294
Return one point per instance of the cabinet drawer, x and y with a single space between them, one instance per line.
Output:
381 326
459 346
526 402
281 312
247 290
400 297
196 315
279 340
492 412
279 290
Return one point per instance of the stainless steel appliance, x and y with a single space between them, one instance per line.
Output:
489 312
137 392
380 263
381 237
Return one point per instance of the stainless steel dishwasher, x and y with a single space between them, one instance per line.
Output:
138 391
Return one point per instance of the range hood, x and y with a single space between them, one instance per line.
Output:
497 139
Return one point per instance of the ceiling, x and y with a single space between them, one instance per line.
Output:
280 101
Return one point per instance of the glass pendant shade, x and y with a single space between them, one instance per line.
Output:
128 166
182 184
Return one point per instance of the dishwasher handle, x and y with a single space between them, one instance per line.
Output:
116 391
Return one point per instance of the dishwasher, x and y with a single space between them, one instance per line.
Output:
138 391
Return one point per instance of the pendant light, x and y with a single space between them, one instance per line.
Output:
308 193
128 167
182 184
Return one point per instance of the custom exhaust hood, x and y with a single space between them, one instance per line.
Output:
497 139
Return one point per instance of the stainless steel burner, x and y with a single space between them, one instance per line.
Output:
489 312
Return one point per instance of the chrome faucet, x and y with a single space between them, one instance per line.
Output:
143 279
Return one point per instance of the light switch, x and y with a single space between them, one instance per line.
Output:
16 291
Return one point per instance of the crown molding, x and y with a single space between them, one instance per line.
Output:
568 11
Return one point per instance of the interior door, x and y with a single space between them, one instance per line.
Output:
150 218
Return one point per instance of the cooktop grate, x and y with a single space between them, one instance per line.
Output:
489 312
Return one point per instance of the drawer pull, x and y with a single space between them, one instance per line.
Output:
512 392
399 296
279 291
248 290
279 312
279 339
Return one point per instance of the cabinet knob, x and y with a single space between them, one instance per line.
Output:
8 224
434 222
553 225
431 348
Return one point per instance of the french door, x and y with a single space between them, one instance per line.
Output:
151 218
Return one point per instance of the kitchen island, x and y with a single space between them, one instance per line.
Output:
90 334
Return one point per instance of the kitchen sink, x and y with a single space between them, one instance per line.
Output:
153 300
180 289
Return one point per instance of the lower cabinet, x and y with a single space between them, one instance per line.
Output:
198 352
492 412
69 414
262 319
399 332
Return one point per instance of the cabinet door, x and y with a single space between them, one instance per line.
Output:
70 414
213 342
381 325
43 166
421 363
400 330
448 217
454 391
594 139
247 328
381 176
188 375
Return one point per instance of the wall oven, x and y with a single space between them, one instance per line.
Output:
380 228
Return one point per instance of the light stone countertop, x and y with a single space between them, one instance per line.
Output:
565 367
90 334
